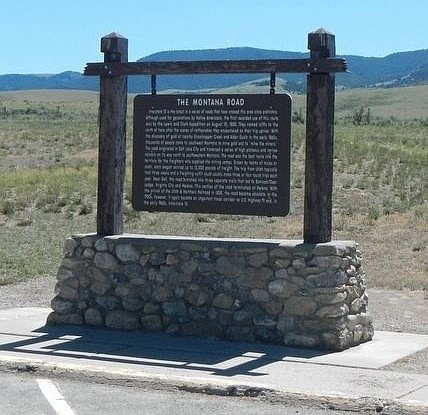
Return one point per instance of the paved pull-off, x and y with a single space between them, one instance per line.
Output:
351 377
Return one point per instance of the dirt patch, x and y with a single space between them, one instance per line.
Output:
395 252
400 311
89 155
36 292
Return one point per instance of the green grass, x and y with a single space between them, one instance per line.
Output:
48 180
406 103
387 162
49 190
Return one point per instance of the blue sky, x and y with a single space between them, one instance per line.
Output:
51 36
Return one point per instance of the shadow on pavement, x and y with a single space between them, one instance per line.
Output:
223 358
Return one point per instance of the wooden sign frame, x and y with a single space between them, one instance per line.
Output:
320 67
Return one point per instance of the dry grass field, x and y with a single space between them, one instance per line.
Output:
48 151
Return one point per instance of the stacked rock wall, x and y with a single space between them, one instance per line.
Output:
283 292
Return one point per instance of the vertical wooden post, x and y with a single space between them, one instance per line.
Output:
319 143
112 139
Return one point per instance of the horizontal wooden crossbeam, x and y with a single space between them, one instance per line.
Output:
324 65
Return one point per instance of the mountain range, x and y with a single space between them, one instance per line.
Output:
397 69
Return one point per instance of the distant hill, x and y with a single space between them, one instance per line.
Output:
64 80
397 69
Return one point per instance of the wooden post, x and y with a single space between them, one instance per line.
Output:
112 139
319 143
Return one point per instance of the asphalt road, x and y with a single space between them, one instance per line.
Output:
22 394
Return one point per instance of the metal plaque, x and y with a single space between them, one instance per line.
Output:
225 154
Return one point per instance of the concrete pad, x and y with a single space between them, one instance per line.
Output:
22 313
385 348
353 373
322 381
7 339
23 320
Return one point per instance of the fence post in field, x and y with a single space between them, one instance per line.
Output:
112 139
319 143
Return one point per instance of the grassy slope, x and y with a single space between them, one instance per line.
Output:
48 147
402 103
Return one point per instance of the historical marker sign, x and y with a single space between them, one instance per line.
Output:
212 153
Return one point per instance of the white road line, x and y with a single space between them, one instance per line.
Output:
53 396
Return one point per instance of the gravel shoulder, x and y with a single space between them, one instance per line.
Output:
398 311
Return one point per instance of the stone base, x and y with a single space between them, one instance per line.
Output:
276 291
